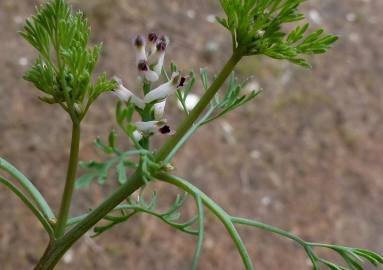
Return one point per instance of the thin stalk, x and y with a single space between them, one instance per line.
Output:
54 252
47 226
269 228
32 191
216 210
70 181
201 232
200 107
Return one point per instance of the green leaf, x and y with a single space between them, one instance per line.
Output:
204 78
121 173
258 27
85 180
65 64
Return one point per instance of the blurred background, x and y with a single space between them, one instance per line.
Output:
306 155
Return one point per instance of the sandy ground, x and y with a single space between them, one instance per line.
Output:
305 156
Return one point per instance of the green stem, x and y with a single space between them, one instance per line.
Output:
216 210
30 188
54 252
269 228
200 107
201 232
70 181
47 226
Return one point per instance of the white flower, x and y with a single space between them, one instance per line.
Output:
147 127
137 135
145 71
124 94
139 43
159 109
160 53
153 127
164 90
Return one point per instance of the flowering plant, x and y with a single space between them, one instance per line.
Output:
64 71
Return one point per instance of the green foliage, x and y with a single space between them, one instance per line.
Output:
171 216
65 64
355 258
257 27
131 207
120 160
233 99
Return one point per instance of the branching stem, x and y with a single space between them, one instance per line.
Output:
56 250
70 182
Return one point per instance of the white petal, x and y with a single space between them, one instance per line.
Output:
164 90
151 76
161 92
137 135
138 102
159 109
160 63
140 54
124 94
147 127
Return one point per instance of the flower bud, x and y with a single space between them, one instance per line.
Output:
160 53
139 43
152 38
137 135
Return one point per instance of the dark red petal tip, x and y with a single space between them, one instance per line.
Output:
152 37
182 82
143 66
139 41
165 130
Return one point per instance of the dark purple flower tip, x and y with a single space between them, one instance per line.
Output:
153 37
182 82
139 41
161 46
143 66
165 130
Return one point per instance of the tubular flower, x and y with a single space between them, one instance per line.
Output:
146 72
160 53
153 127
140 45
166 89
125 95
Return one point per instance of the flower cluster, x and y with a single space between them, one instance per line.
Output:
150 56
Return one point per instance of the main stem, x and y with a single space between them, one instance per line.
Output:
70 181
200 107
56 250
